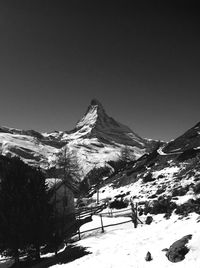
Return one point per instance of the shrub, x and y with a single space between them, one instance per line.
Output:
159 206
161 190
148 178
118 204
197 188
180 191
189 207
188 154
149 220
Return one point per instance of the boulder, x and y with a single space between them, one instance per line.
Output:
148 256
178 249
149 220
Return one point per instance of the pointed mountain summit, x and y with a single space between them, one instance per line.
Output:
96 139
105 128
94 112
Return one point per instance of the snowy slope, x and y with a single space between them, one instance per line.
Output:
160 177
124 246
173 168
30 149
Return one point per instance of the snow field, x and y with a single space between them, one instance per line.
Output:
125 246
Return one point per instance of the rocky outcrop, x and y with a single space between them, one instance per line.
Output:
149 220
148 257
178 249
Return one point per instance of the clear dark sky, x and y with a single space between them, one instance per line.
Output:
142 62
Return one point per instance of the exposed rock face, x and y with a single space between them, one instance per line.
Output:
105 128
178 249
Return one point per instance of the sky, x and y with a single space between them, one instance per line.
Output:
140 59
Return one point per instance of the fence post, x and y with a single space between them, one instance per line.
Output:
97 196
79 233
102 228
136 215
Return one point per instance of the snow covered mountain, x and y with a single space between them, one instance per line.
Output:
96 139
170 174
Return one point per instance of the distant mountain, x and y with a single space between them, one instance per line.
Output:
189 140
172 171
96 139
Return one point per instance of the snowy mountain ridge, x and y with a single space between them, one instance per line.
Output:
96 139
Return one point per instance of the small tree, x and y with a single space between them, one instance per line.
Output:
68 165
125 155
69 172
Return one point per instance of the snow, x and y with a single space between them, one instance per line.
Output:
5 262
166 179
50 182
12 143
90 117
125 246
169 171
160 151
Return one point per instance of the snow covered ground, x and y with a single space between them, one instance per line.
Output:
125 246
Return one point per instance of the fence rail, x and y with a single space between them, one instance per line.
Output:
128 212
102 227
85 211
111 213
6 259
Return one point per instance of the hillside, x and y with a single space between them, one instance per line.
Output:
162 174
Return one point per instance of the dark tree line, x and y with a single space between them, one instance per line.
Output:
25 211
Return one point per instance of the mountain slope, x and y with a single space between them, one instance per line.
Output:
96 139
164 173
189 140
105 128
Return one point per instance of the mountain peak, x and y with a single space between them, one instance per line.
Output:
99 107
94 111
97 124
95 102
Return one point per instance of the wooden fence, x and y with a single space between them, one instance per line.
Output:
130 212
88 211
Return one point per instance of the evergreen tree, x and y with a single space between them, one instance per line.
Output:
13 207
24 208
40 210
